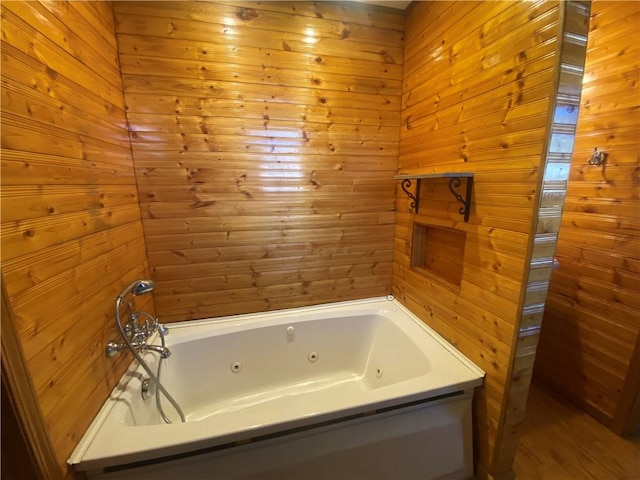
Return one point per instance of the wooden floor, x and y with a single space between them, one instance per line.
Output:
560 442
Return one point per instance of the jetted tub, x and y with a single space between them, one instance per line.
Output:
359 389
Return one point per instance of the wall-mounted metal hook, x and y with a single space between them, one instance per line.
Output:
598 158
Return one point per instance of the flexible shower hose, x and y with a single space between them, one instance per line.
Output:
158 404
147 369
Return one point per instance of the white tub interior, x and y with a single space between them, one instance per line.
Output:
271 366
248 376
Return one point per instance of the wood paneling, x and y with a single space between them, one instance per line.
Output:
71 224
547 215
27 451
590 344
480 86
265 138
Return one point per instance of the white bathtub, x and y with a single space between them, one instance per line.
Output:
358 389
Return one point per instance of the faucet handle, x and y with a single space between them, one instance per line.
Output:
163 329
129 329
148 329
114 348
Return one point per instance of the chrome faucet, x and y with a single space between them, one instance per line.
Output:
163 351
135 334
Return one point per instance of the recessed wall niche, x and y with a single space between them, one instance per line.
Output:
438 253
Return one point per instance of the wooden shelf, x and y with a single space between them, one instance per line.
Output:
454 184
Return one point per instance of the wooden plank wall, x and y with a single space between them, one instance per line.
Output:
564 106
265 139
589 349
479 77
71 226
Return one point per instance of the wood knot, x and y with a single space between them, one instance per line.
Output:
247 14
202 204
50 72
386 57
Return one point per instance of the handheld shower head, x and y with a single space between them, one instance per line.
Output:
140 287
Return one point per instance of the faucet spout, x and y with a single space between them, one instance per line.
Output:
163 351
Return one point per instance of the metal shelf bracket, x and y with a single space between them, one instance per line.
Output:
406 185
455 183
